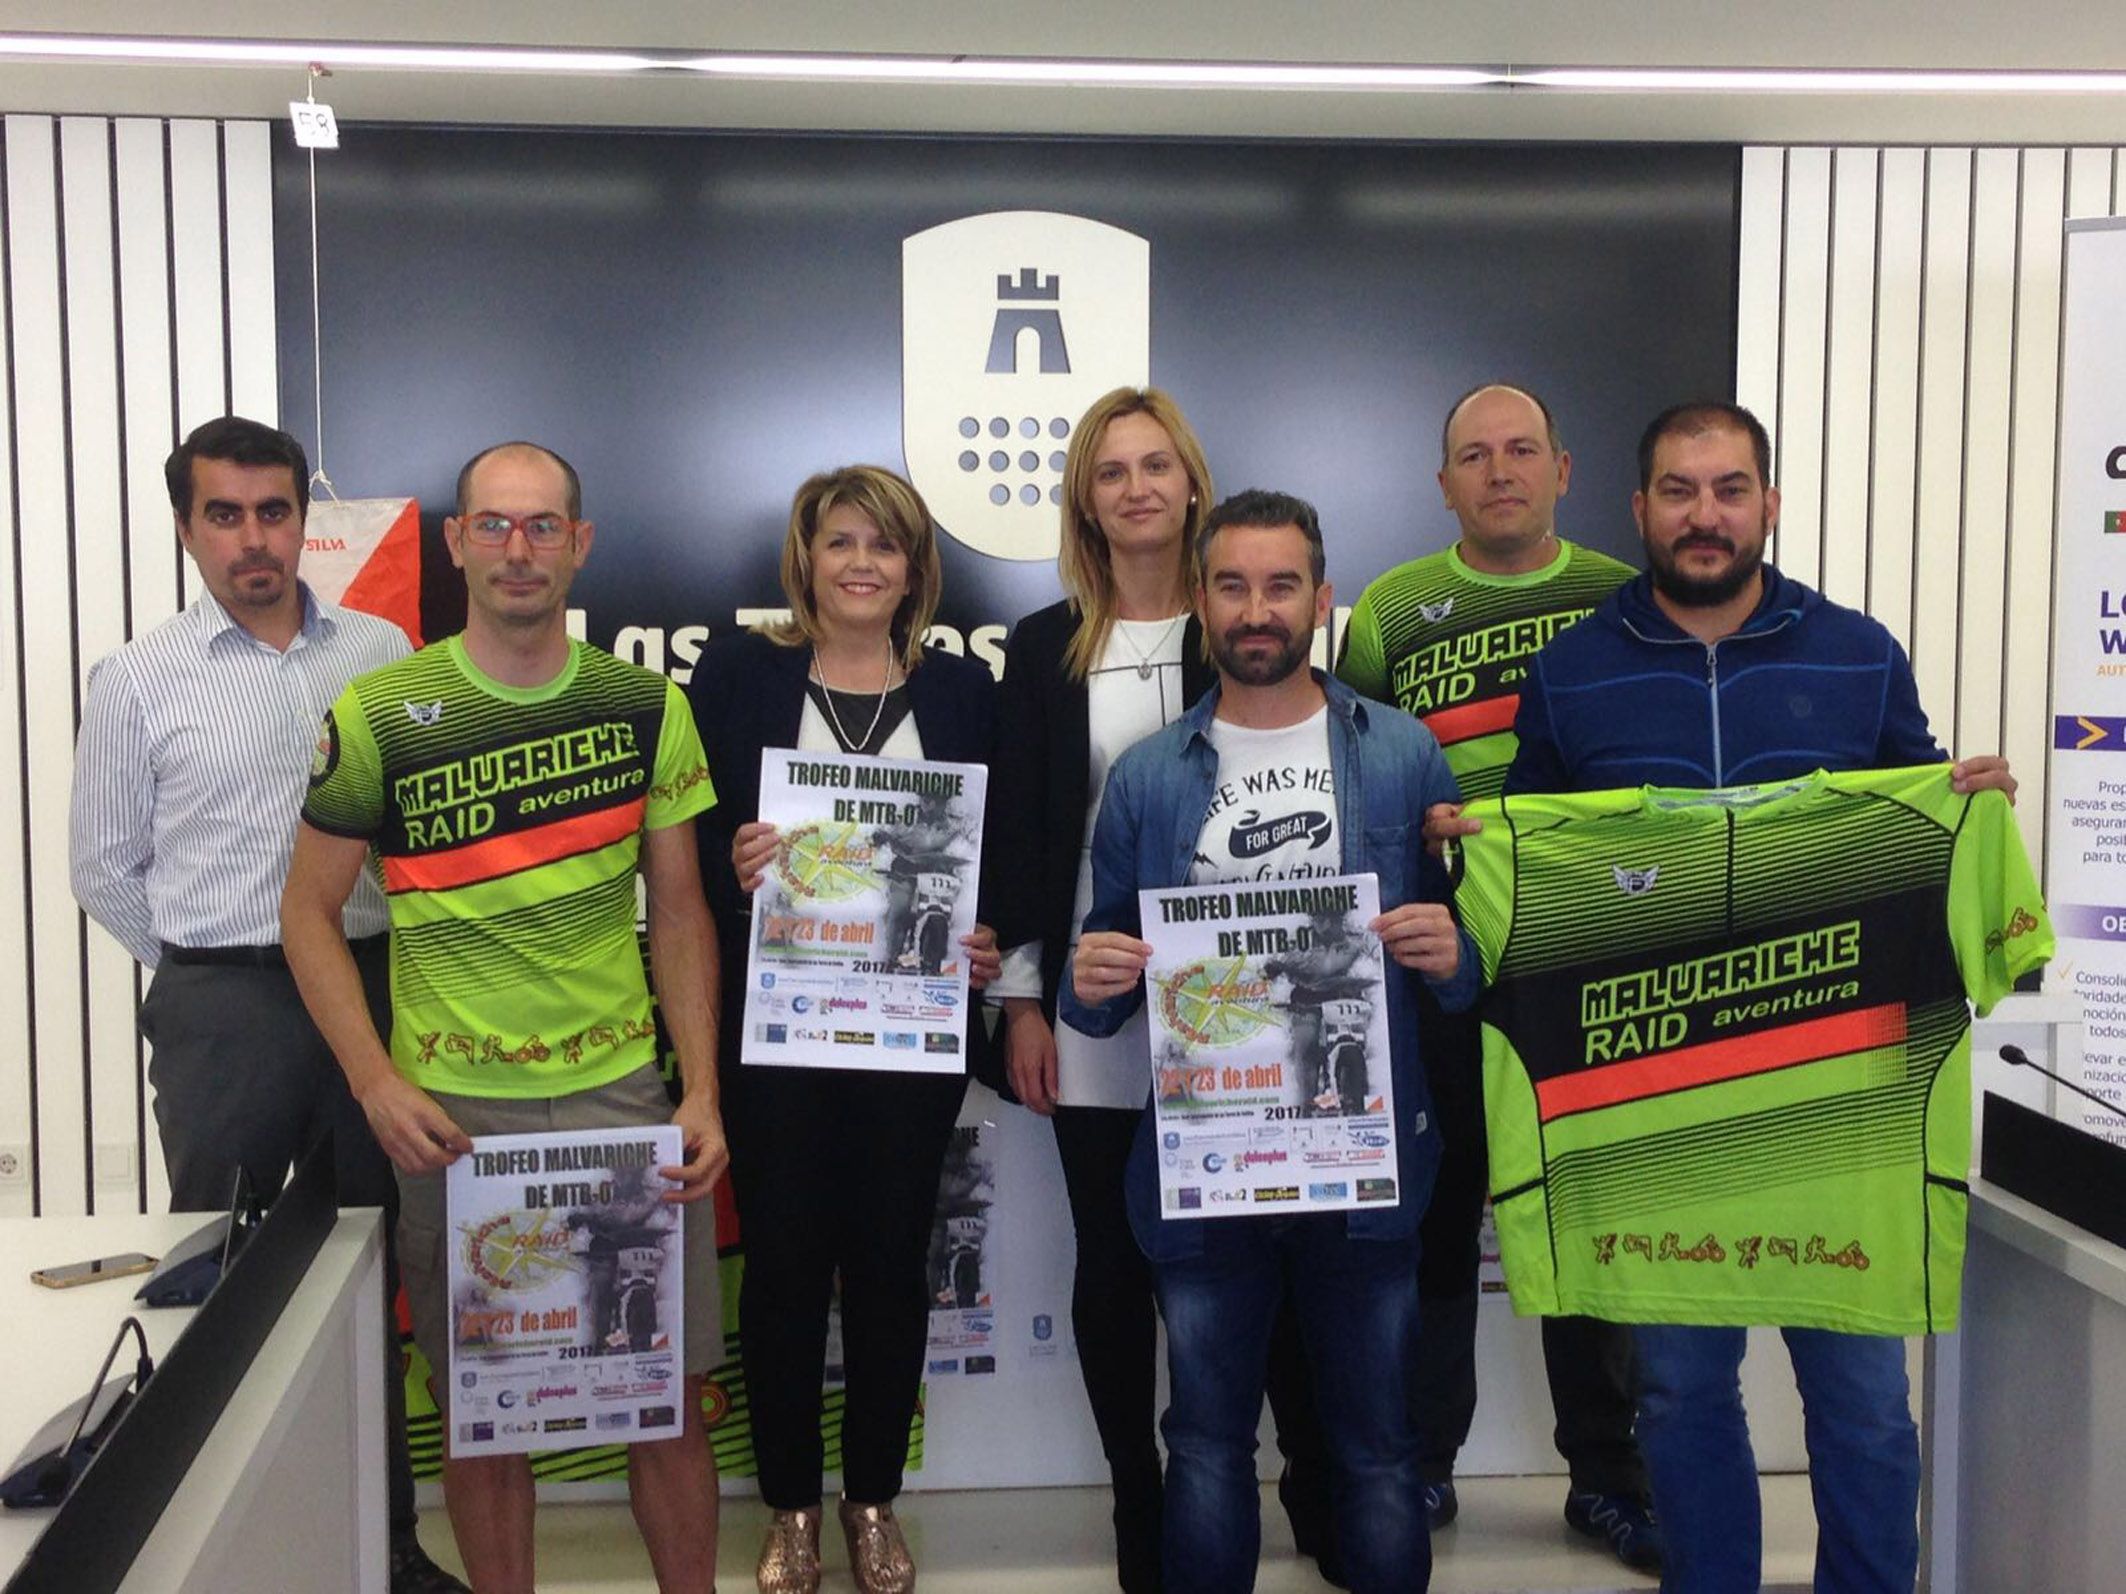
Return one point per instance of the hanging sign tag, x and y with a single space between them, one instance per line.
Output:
315 127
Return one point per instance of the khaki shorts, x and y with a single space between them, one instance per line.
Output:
637 1098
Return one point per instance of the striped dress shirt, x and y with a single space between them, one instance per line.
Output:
189 775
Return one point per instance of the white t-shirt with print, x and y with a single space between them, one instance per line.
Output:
1273 811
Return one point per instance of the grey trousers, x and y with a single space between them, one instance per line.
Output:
243 1080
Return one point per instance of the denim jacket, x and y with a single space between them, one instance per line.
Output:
1388 770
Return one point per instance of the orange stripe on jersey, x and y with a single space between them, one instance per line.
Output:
1453 725
504 855
1736 1058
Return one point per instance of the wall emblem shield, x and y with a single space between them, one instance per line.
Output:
1011 324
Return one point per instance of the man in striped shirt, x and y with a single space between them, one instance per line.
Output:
194 755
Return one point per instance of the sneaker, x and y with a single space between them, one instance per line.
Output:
1625 1522
1441 1505
412 1572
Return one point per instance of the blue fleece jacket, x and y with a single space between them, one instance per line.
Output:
1629 698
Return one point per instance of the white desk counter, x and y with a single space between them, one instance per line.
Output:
287 1492
2027 1411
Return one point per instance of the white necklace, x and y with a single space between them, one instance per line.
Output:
1145 664
826 693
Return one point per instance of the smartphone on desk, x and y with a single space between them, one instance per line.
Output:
68 1274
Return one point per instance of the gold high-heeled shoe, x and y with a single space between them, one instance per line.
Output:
878 1554
789 1555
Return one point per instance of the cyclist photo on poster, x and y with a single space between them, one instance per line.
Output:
1269 1026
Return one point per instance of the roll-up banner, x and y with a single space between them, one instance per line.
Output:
2086 849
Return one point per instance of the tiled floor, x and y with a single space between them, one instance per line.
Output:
1510 1539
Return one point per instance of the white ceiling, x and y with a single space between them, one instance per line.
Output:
2064 34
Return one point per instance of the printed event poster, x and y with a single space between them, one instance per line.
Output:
963 1318
565 1290
857 923
1269 1022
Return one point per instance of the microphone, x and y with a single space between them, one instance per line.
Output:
194 1265
45 1476
2016 1057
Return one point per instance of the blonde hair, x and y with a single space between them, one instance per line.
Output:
898 510
1083 563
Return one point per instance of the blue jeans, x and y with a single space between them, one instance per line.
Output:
1357 1304
1863 1459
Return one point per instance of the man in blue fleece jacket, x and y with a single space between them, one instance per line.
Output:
1713 669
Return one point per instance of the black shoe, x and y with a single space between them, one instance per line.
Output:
1313 1525
1441 1505
413 1573
1625 1522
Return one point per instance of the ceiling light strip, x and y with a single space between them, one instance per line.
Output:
323 52
1843 80
949 70
1124 74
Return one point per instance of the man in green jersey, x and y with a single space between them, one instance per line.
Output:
1447 637
511 784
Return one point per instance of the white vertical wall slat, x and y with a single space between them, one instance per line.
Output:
2089 182
1760 222
1995 201
116 339
2026 673
1938 494
254 354
17 1101
197 295
1797 429
97 984
151 424
1849 378
1893 461
43 630
152 550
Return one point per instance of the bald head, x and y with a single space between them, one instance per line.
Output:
519 451
1502 474
1454 413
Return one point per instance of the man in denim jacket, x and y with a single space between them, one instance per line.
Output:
1281 771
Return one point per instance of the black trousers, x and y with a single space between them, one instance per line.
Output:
243 1080
1593 1381
835 1170
1111 1305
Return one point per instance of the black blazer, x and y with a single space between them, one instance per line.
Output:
1038 773
747 694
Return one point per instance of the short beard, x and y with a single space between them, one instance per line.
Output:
266 599
1266 670
1702 592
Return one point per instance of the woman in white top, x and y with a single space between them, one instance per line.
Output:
1084 679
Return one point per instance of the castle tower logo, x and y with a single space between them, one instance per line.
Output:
1011 324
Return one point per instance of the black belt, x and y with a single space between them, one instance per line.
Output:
252 957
